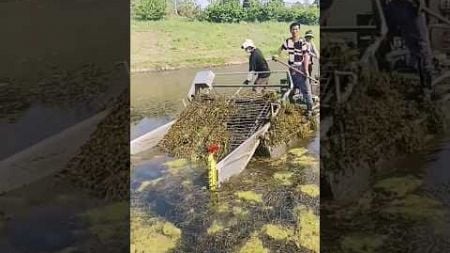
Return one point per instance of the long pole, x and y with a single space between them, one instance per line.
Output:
296 70
436 15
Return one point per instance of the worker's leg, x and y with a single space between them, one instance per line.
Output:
296 79
260 83
404 16
305 88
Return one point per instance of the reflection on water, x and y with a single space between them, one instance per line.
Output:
438 168
159 94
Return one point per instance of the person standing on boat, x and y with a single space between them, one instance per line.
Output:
407 18
299 58
257 66
312 48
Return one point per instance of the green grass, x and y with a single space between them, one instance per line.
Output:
180 43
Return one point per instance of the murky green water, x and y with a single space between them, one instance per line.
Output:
405 208
273 205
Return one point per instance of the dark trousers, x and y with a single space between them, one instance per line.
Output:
302 83
403 17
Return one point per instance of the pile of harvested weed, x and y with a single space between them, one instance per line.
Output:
289 124
102 166
392 120
201 124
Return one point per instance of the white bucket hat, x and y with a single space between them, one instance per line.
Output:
248 43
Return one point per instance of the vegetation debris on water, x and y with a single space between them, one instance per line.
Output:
108 177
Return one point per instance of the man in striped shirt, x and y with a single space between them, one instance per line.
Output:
299 58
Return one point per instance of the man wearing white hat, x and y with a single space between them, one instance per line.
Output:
257 65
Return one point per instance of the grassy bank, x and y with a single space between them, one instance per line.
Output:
178 43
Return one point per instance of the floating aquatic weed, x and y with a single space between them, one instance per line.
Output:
253 245
107 223
284 178
240 212
249 196
305 161
278 232
308 227
367 243
216 227
415 208
153 235
298 152
222 207
144 185
175 166
311 190
398 186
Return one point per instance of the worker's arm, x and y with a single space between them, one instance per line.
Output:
306 61
315 51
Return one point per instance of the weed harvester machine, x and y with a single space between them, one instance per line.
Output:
368 46
372 49
246 125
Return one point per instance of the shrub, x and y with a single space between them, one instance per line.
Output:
230 12
188 8
149 9
254 11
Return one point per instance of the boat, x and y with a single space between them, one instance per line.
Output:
246 132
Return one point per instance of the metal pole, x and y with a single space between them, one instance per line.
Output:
436 15
296 70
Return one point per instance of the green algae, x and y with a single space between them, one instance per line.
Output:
283 178
298 152
154 236
216 227
223 207
308 229
305 161
240 212
253 245
415 208
175 165
277 232
249 196
69 250
107 222
311 190
112 213
362 243
187 183
398 186
146 184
